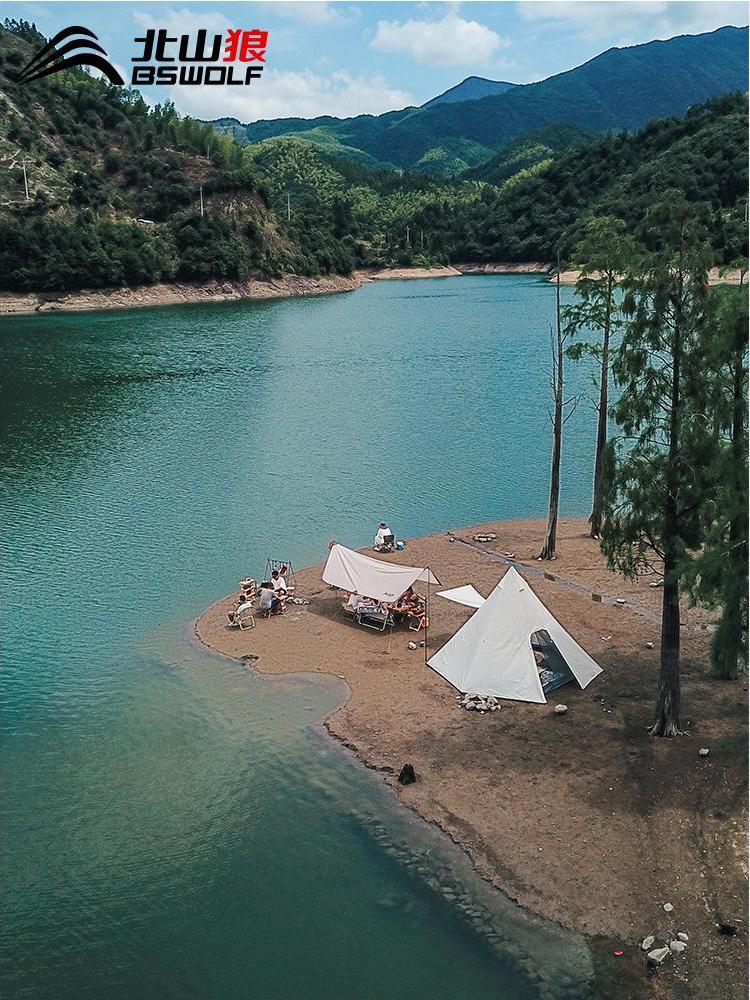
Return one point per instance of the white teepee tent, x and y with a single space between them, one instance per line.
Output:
491 654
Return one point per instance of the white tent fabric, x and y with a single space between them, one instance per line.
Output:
468 596
383 581
491 654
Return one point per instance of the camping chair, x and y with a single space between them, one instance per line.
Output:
388 544
243 620
246 619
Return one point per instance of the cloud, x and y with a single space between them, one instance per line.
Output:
312 12
645 19
182 21
286 94
451 41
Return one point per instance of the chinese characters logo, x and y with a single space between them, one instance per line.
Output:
235 59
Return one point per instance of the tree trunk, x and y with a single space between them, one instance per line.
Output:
595 521
667 721
550 539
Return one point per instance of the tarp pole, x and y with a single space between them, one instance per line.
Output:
427 614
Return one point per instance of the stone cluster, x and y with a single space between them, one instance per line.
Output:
676 945
479 703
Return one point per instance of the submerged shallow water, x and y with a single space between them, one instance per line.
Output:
175 825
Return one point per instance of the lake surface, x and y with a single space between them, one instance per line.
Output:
174 824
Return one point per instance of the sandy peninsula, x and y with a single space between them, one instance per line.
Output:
582 818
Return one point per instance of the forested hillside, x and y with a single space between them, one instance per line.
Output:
115 191
539 212
619 89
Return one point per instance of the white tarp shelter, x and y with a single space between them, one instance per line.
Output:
468 596
491 654
383 581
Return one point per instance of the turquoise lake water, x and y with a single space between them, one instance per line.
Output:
176 826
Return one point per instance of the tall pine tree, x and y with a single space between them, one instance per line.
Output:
657 481
718 575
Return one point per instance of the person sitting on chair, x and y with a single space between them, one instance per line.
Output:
384 539
278 584
402 606
268 600
244 604
415 609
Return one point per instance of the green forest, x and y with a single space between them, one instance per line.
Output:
115 190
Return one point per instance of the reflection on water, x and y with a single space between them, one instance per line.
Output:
176 826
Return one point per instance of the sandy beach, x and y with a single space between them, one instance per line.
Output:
259 289
581 818
286 286
143 296
716 276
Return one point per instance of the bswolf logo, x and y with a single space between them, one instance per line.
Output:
236 58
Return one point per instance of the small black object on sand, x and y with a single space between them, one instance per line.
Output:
407 776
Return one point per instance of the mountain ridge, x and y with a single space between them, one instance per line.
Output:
472 88
619 89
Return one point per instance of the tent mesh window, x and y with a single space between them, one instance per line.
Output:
554 672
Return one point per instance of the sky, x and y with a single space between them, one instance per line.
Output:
343 58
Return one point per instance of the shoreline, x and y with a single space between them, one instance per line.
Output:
264 289
254 289
528 795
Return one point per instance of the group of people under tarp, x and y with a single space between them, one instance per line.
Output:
267 599
410 607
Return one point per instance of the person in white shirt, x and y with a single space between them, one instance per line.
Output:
384 538
243 606
278 582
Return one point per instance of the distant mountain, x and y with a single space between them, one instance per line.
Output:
622 88
473 88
